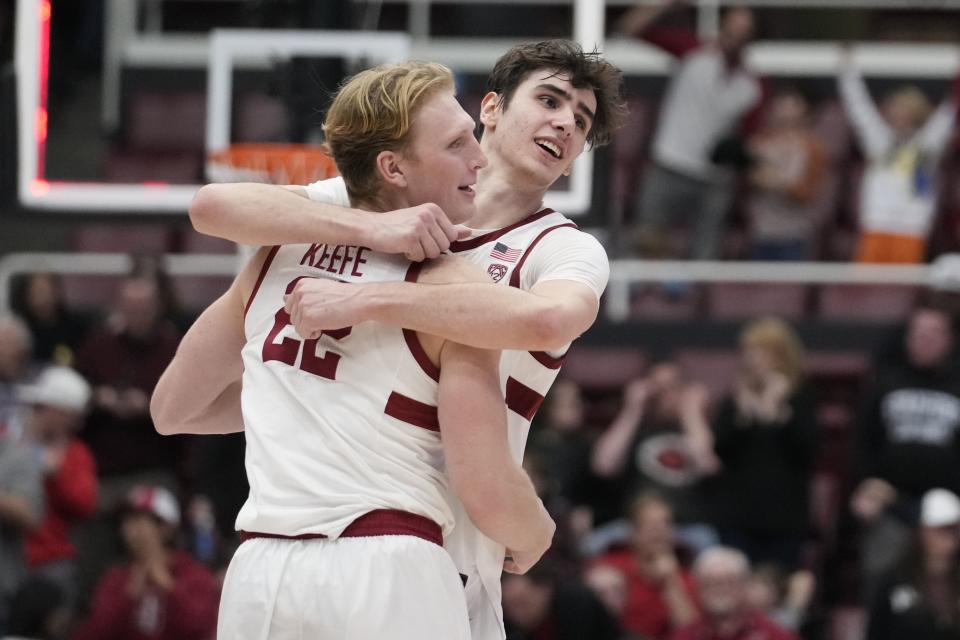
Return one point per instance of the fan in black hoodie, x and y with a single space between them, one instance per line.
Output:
908 440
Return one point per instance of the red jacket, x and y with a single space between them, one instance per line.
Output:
755 627
187 612
645 612
70 495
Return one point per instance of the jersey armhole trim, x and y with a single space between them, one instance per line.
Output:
515 276
263 273
411 338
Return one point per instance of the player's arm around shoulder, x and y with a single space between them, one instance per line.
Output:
495 491
264 215
199 392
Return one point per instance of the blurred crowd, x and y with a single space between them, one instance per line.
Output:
728 143
682 513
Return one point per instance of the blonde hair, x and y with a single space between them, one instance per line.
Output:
373 112
775 336
914 99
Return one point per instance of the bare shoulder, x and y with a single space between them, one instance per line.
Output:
448 269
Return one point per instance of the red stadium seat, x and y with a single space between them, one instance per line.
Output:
747 300
88 293
195 293
261 118
603 367
876 303
142 166
655 303
132 239
847 623
713 367
167 120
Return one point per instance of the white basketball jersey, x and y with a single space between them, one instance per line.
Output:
525 378
343 424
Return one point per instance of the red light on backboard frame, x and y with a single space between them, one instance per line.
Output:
41 131
40 187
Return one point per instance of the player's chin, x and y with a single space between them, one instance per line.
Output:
461 210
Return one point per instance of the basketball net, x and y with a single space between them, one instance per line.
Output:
280 164
271 163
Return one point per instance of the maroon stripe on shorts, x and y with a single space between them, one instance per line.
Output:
412 412
380 522
521 399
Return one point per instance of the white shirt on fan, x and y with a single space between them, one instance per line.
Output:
543 247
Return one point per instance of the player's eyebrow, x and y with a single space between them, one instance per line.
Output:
552 88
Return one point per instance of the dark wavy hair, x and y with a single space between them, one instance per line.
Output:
583 70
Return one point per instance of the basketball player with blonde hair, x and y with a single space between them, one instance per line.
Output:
350 478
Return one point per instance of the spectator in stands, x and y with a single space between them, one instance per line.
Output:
21 507
661 596
160 593
15 349
661 440
150 267
903 145
122 362
695 147
921 599
539 605
765 436
908 441
722 574
560 436
57 403
785 599
39 611
786 178
56 331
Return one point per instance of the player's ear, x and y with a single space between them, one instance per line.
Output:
490 109
388 166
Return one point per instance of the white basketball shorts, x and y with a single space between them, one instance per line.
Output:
389 587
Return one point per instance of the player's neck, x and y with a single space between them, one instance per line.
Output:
501 201
379 203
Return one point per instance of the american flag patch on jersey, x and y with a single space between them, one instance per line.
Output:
503 252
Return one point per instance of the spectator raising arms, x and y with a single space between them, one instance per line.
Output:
696 143
903 145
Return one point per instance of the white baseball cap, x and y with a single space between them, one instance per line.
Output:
59 387
939 508
156 501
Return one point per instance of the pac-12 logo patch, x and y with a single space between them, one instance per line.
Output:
497 271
